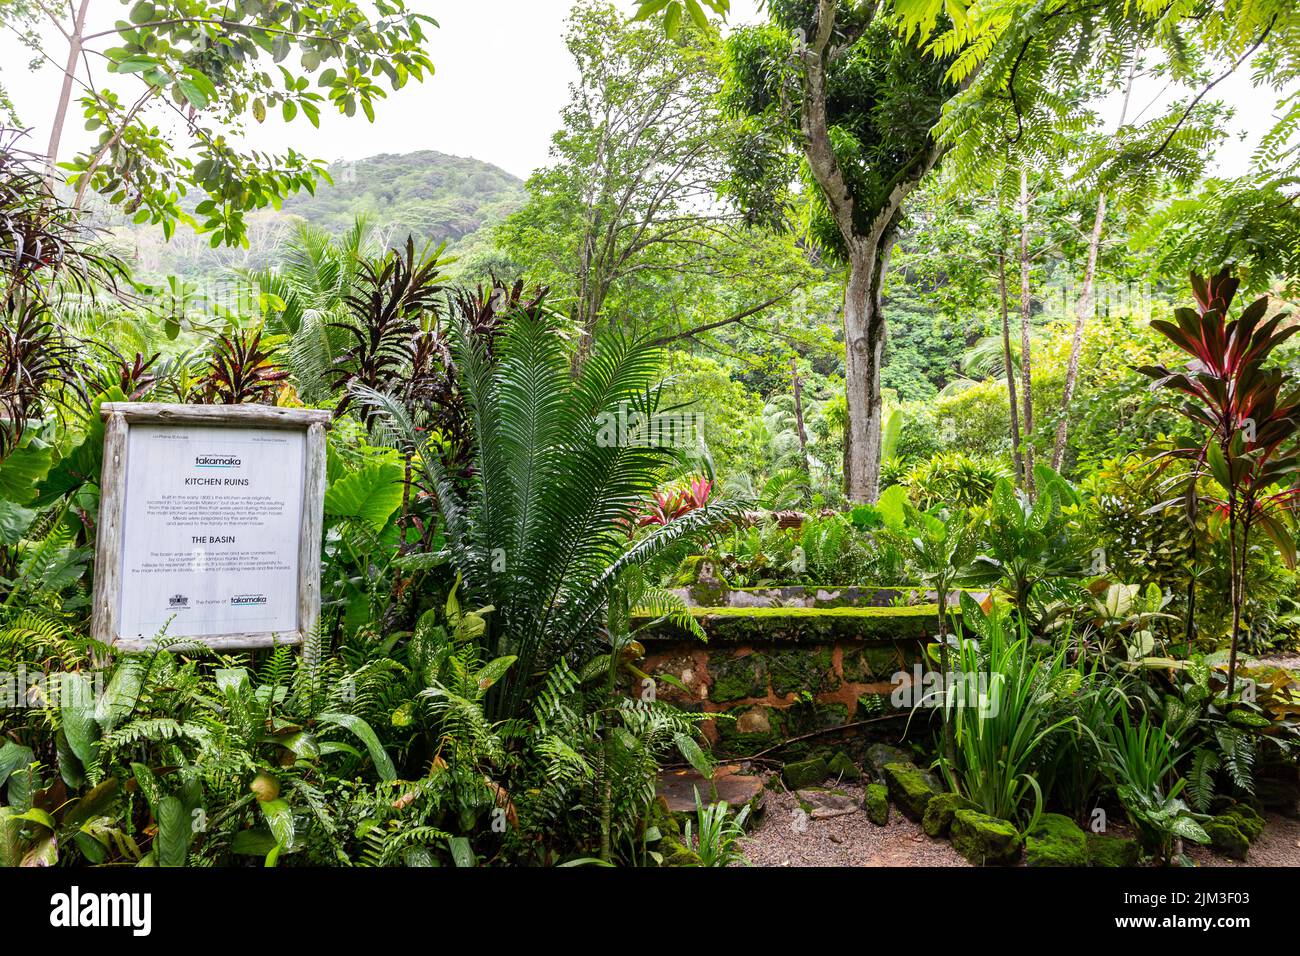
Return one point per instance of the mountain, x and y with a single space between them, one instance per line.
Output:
429 194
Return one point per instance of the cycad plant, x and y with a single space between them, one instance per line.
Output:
1249 425
539 530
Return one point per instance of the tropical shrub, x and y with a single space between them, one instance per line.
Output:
1000 706
953 480
1248 426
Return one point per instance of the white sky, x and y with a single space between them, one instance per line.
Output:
502 78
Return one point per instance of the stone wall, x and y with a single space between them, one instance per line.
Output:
775 673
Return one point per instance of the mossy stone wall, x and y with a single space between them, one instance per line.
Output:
774 673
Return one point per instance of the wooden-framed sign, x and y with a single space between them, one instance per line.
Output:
209 525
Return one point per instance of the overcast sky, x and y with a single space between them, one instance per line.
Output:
502 78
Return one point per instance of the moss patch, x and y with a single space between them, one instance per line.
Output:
804 773
1247 820
1226 837
735 678
811 625
1055 840
879 754
842 767
797 670
805 716
1113 851
874 662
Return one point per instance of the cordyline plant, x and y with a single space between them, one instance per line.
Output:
240 371
1250 425
676 500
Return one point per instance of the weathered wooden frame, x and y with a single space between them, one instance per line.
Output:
118 418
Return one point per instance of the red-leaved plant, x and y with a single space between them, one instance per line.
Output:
676 500
1250 425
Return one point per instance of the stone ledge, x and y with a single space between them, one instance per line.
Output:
807 625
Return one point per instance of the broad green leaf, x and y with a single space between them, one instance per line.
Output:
493 672
279 818
462 854
135 64
14 522
693 754
367 736
892 505
78 713
93 803
371 494
173 841
13 756
22 470
252 843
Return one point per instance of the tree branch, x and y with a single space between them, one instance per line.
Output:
709 327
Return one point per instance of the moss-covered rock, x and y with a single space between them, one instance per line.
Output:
1055 840
876 802
1112 851
985 840
1247 819
937 820
661 816
735 678
842 767
1226 837
804 773
911 788
746 734
880 754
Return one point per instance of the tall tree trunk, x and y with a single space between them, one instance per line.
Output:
1083 308
65 90
1009 369
1081 312
864 341
800 430
868 254
1026 380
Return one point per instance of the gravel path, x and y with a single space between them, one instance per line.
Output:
1278 845
1286 660
787 837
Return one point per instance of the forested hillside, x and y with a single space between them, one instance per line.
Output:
431 195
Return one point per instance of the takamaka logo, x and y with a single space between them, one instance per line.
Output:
243 600
217 461
178 600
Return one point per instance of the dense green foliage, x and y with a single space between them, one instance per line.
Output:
505 523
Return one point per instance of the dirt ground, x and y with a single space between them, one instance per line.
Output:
787 836
1278 845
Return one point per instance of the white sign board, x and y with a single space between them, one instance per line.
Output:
210 525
